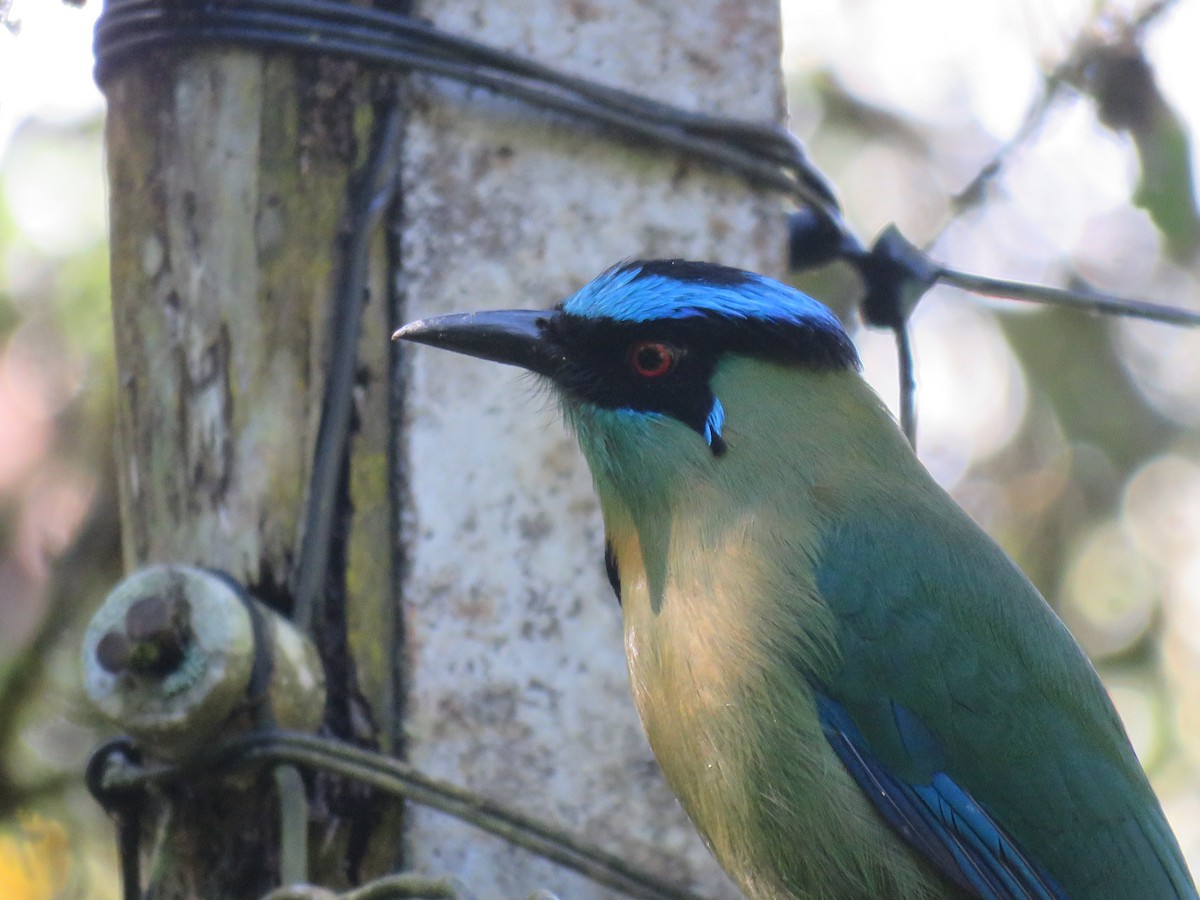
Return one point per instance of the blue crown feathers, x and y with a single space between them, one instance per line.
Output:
679 289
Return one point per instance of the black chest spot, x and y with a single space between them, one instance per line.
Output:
611 570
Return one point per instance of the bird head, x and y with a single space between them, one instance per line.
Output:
635 355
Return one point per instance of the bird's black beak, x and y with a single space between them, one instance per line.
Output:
517 337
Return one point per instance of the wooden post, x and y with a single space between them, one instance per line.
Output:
484 642
228 175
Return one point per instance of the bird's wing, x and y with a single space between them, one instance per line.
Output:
967 713
940 820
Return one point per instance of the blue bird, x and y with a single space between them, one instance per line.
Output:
850 687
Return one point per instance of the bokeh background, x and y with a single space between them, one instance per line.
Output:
1044 140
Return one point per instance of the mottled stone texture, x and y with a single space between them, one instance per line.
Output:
517 684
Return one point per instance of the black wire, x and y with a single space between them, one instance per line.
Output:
395 777
908 382
1089 299
345 322
765 155
122 803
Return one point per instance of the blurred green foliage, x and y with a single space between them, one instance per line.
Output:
56 462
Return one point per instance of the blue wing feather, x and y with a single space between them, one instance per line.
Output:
959 691
940 820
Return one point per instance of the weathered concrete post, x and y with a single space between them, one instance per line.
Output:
517 682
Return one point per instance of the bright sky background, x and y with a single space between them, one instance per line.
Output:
46 67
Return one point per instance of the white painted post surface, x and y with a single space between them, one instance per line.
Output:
517 683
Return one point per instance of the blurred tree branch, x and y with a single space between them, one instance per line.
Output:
1107 64
89 561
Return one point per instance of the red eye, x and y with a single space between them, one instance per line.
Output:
650 359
